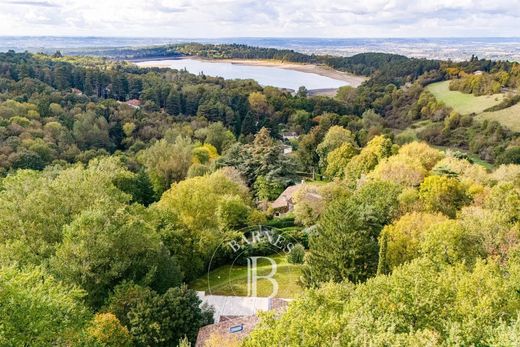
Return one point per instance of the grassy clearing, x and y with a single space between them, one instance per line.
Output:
232 280
509 117
461 102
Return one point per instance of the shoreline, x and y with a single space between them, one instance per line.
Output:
351 79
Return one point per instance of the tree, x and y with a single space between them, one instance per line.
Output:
138 185
338 159
124 298
300 121
232 213
400 241
420 151
195 214
174 102
334 138
103 248
296 254
346 94
345 248
195 201
378 148
399 169
419 304
162 320
510 156
91 131
443 194
201 155
217 135
493 230
258 104
302 92
505 197
167 162
307 154
37 310
267 189
105 329
35 206
449 243
263 164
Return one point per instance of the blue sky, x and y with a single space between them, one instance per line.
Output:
268 18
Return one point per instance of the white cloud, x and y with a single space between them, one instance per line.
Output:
298 18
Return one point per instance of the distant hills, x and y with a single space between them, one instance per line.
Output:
432 48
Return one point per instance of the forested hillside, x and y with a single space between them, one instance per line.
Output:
118 183
417 248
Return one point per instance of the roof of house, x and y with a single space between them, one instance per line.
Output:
244 324
236 326
134 102
286 197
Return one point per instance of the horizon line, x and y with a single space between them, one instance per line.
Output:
265 37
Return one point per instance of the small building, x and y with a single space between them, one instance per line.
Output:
478 73
228 330
287 136
287 149
135 103
76 91
235 316
285 202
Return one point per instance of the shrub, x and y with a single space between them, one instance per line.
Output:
296 254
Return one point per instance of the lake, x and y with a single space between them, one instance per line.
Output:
265 75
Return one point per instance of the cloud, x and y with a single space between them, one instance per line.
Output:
32 3
273 18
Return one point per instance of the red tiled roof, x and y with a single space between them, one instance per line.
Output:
223 329
134 102
286 196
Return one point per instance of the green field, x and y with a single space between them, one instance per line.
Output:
461 102
232 280
509 117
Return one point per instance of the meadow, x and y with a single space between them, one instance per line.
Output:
509 117
461 102
232 280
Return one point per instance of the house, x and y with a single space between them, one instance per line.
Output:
235 316
76 91
232 329
288 136
285 202
287 149
478 73
135 103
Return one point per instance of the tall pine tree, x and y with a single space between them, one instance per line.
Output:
346 247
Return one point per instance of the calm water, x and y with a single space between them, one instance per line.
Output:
265 75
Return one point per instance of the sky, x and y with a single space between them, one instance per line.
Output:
261 18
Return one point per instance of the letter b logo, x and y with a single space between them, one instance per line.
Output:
252 276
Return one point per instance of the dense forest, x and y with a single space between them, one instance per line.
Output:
117 183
